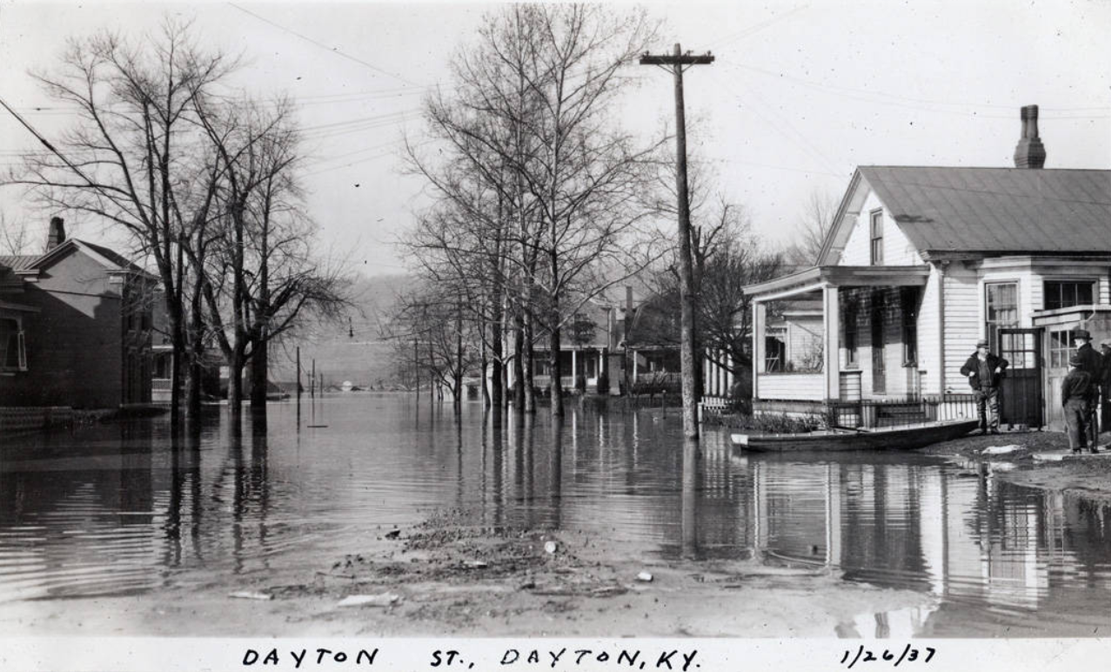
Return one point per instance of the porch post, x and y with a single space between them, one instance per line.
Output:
832 355
574 367
758 361
728 375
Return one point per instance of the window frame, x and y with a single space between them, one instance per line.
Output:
852 335
992 327
875 236
20 346
1093 284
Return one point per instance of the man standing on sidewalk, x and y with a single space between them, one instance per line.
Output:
1091 363
1076 394
985 373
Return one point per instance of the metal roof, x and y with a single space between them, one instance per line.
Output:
19 262
997 209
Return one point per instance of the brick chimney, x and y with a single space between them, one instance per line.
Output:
57 234
1030 152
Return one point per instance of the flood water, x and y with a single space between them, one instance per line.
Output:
117 509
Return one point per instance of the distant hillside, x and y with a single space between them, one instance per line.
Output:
351 351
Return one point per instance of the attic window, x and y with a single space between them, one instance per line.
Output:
13 350
877 237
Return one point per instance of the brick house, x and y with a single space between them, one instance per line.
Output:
920 263
75 327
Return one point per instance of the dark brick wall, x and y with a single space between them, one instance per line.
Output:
75 344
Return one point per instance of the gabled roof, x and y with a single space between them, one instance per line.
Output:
110 259
1007 210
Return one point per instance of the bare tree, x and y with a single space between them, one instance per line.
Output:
813 227
530 114
15 239
262 275
131 157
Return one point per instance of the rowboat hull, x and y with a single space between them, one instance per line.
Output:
887 438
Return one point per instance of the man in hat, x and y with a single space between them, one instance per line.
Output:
1091 363
985 373
1076 393
1105 383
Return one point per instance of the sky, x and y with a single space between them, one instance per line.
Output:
799 95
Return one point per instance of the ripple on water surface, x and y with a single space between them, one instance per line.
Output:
122 509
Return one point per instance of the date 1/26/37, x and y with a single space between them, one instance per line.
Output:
909 655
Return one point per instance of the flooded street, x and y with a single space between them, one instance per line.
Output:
119 510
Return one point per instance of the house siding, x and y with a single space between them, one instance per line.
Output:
75 343
963 322
929 333
897 248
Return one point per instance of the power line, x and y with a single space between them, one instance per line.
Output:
890 99
745 32
333 50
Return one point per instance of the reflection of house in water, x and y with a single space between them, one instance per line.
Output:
64 521
930 529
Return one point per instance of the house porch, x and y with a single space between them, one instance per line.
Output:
841 342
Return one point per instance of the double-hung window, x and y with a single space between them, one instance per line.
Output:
13 349
876 229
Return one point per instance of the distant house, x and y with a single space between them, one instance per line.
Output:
608 336
75 327
919 264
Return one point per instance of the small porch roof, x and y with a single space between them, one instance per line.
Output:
817 277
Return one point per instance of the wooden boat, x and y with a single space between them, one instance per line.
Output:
902 437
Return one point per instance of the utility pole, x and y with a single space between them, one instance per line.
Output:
676 62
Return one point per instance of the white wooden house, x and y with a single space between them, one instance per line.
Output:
920 263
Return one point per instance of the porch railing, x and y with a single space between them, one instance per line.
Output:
907 411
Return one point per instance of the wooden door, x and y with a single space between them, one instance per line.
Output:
1059 347
1021 392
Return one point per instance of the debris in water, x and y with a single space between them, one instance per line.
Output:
474 564
644 577
550 547
248 595
393 534
382 600
1049 457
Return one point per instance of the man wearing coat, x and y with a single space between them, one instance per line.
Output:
985 373
1105 383
1077 390
1091 363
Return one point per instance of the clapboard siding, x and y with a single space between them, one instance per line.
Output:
792 386
962 322
897 249
929 334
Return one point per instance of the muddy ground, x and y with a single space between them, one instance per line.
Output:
1035 459
446 577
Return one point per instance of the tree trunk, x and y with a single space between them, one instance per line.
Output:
235 385
519 363
259 363
497 392
556 384
529 366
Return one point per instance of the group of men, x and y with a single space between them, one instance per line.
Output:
1088 380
